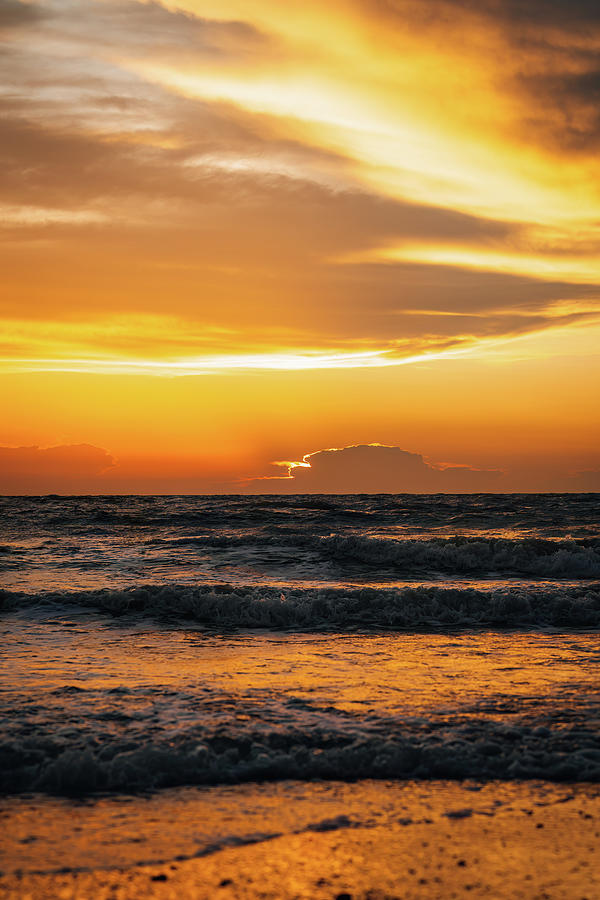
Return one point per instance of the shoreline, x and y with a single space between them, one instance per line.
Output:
317 840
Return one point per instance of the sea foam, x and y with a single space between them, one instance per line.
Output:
339 608
389 750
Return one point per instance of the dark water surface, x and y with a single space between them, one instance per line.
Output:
159 641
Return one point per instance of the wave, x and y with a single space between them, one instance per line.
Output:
336 608
479 750
532 557
472 555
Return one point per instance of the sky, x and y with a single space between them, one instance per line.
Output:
259 246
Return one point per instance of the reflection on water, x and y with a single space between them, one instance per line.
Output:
392 673
88 542
128 667
90 706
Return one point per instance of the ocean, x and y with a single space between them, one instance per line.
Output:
154 645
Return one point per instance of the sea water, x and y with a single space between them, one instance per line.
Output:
153 641
164 642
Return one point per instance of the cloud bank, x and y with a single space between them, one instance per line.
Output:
377 469
69 468
381 469
356 469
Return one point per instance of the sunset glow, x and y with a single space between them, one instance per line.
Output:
235 233
299 448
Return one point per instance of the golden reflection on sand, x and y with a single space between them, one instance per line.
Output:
370 840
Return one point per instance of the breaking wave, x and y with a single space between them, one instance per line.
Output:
336 608
532 557
389 750
472 555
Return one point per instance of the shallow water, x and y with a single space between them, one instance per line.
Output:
88 705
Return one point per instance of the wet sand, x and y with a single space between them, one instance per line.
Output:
323 840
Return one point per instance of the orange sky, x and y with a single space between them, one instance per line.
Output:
237 233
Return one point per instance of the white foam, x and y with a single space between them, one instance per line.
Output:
264 606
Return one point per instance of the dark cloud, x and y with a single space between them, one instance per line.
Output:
574 102
569 14
245 215
452 289
512 13
62 469
375 469
585 86
14 14
549 62
85 469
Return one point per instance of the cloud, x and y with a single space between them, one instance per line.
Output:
571 14
266 242
383 469
566 104
256 273
254 235
568 14
364 468
147 28
548 51
81 469
69 468
14 14
542 16
217 158
376 469
232 199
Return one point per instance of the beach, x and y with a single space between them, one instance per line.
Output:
324 840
